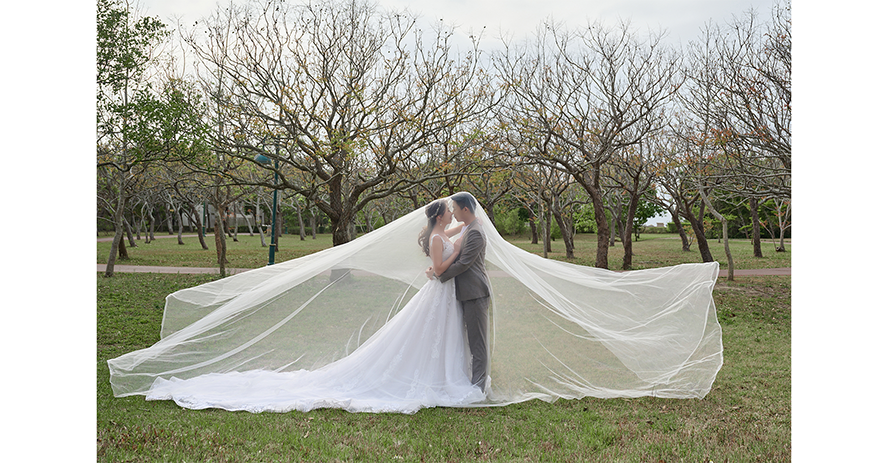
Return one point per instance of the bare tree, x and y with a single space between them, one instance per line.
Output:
634 170
780 215
739 89
678 179
345 93
595 91
491 175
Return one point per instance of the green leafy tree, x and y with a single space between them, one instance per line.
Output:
584 220
126 46
645 210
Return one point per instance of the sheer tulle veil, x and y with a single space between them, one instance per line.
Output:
556 330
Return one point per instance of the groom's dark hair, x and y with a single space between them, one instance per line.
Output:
464 200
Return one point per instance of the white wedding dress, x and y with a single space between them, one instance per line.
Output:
418 359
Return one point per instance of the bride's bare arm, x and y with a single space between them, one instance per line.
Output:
436 250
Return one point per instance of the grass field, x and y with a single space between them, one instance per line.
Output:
746 417
653 250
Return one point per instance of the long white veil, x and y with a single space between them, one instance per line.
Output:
557 330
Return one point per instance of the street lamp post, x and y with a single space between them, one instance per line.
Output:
262 159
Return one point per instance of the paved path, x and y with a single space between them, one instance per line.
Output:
761 271
156 236
151 269
193 270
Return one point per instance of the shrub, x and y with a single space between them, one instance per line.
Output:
511 222
584 219
657 230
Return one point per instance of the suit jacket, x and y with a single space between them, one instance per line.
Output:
468 269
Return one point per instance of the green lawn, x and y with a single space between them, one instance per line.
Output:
653 250
746 417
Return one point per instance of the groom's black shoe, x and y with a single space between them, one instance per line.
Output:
480 384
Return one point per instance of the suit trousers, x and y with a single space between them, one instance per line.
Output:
475 318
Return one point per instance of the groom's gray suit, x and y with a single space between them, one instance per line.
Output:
473 292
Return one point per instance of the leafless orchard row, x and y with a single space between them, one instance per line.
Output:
353 113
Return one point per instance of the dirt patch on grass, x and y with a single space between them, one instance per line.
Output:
777 287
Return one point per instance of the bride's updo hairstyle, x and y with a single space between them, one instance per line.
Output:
433 211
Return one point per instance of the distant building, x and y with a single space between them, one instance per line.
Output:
211 215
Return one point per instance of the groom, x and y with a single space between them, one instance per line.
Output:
472 285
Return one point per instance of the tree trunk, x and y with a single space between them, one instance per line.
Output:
676 219
724 234
149 235
302 225
564 226
592 185
700 233
491 214
261 231
342 225
544 232
200 236
129 233
234 209
226 224
782 247
783 223
340 232
112 256
168 213
727 248
756 228
601 224
627 233
352 228
116 244
219 232
549 230
122 253
259 227
138 227
181 224
250 219
119 221
534 236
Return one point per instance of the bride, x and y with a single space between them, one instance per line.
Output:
360 327
418 359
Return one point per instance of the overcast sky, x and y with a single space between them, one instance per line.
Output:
682 19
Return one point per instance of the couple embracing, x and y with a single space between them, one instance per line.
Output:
463 263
